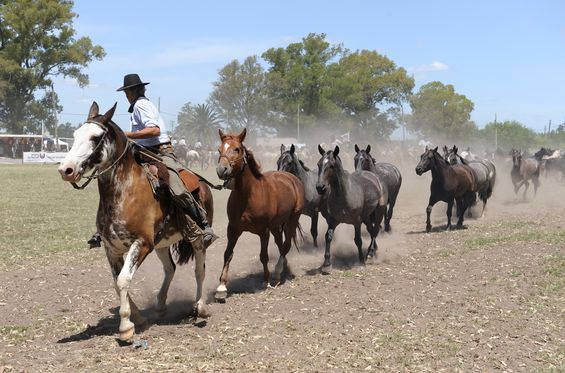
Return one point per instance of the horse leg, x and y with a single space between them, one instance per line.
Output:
200 308
221 290
282 258
135 256
526 186
264 256
314 229
431 204
327 266
461 207
359 243
449 212
169 267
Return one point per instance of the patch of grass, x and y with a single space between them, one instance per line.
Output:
42 215
553 281
14 334
548 236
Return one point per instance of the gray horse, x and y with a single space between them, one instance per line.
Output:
288 161
524 170
357 198
485 173
388 174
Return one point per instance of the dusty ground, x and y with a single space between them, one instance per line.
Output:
486 298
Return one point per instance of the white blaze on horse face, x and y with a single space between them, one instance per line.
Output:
83 146
226 147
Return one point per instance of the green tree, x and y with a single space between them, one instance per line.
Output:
240 95
198 123
370 90
439 112
509 134
66 130
37 42
297 78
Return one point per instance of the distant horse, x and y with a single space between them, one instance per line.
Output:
289 162
524 170
357 198
449 183
130 219
259 203
485 173
388 174
188 157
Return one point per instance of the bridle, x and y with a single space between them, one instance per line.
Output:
96 173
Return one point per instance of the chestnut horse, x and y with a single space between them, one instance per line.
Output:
259 203
131 221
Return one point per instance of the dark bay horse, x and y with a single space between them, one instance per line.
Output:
289 162
357 198
449 183
130 220
524 170
485 173
259 203
388 174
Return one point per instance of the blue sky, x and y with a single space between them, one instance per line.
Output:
508 57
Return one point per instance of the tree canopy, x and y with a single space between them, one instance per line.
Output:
37 43
439 111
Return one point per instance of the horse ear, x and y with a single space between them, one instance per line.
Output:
93 112
445 150
435 150
455 149
356 149
241 136
426 148
368 150
221 133
321 150
109 114
336 151
283 148
292 149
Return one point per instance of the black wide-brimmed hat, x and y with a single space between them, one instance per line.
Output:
131 80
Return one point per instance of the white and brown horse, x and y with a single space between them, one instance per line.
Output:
130 220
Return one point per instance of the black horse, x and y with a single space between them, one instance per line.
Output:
485 173
388 174
288 161
357 198
449 183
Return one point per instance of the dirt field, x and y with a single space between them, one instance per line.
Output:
483 299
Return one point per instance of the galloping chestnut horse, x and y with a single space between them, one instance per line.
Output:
259 203
130 219
449 183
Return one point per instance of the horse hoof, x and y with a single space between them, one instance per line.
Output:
220 296
370 260
428 228
127 335
327 269
203 311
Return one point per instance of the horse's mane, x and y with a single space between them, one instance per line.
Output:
253 164
303 165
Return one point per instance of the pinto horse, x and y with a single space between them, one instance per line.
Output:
356 199
449 183
260 203
131 221
289 162
388 174
485 173
524 170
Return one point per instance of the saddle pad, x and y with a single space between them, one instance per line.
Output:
190 180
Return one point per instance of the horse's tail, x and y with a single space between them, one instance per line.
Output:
184 250
299 232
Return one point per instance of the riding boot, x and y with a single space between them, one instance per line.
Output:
197 214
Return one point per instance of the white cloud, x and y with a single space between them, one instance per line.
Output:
434 66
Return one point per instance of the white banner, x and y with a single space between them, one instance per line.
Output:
43 157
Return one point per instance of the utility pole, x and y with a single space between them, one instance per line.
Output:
298 124
495 134
55 117
159 104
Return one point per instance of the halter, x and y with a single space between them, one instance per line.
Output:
231 163
95 172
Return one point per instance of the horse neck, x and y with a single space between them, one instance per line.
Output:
245 181
339 182
120 167
440 168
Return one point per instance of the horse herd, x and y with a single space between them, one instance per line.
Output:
133 221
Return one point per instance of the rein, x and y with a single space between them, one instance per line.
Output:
96 171
243 156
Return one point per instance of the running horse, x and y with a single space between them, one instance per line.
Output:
131 221
449 183
260 203
524 170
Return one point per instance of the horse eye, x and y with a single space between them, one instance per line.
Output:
237 150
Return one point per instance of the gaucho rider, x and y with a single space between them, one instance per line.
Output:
148 129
